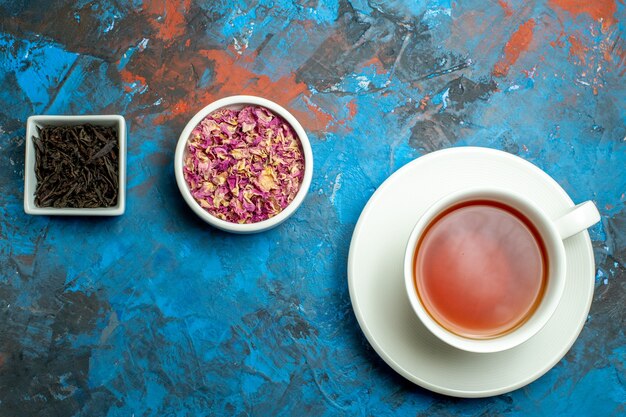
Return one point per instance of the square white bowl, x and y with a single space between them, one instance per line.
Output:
30 179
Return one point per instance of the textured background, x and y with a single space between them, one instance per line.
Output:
156 314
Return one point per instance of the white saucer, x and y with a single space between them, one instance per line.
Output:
377 286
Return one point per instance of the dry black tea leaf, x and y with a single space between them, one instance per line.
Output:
76 166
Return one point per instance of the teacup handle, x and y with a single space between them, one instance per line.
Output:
581 217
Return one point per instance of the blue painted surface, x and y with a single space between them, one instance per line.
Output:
156 314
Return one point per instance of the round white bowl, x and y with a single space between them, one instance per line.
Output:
237 103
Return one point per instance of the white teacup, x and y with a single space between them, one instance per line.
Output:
552 232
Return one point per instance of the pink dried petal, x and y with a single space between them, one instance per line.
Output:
267 179
243 166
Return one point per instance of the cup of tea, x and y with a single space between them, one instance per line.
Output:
484 268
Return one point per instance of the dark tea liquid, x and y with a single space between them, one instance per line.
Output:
480 269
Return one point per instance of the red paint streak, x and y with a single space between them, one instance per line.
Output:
233 79
530 73
351 109
172 24
307 25
129 78
506 7
313 118
231 49
424 102
577 49
601 10
181 107
375 61
517 44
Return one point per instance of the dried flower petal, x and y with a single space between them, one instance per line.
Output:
243 166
